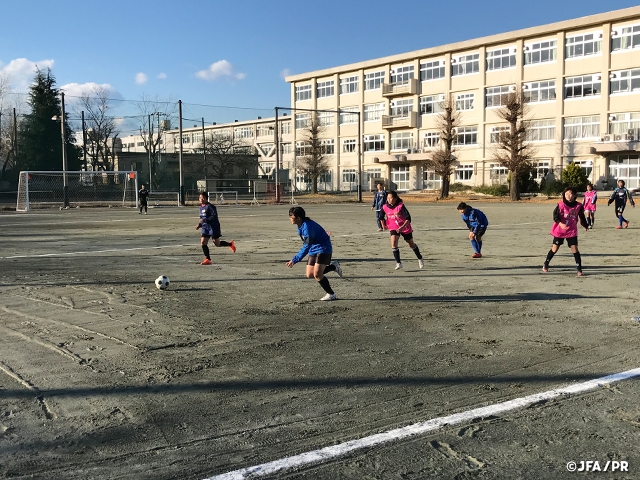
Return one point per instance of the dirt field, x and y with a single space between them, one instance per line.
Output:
238 364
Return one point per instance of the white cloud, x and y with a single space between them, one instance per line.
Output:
21 72
79 89
162 76
141 78
285 73
220 69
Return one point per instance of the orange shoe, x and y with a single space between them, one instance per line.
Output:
206 261
233 246
626 224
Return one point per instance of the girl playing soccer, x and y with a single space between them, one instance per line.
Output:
589 204
565 225
477 224
210 226
620 196
398 223
317 244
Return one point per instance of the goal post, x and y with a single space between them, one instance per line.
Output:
163 199
226 197
42 189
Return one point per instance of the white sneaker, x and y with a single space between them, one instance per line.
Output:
336 264
329 297
398 266
421 263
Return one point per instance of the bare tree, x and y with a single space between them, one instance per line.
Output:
443 161
7 128
101 129
152 109
313 153
513 151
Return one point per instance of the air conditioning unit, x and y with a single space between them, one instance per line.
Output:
630 137
620 138
606 138
416 150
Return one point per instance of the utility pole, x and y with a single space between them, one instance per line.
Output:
149 138
204 158
64 156
180 152
15 136
277 136
84 142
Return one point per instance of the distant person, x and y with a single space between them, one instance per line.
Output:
589 204
620 196
565 226
477 224
317 244
379 199
209 227
143 195
398 222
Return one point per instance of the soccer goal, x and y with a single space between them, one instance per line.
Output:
66 189
164 199
227 197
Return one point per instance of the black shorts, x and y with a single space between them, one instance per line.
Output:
321 258
143 203
571 241
480 233
406 236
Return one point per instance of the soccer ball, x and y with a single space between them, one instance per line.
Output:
162 282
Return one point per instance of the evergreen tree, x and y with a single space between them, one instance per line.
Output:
39 137
574 176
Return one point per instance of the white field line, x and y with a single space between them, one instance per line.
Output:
330 453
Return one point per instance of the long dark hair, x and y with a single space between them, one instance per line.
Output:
298 212
394 194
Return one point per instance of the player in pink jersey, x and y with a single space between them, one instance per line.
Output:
565 225
589 204
398 221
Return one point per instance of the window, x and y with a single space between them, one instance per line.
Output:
497 96
464 172
303 93
431 70
582 127
349 175
324 89
582 86
541 131
625 81
326 119
620 123
465 101
265 130
325 178
626 167
243 132
197 138
285 128
401 75
400 176
431 139
373 112
431 181
623 38
349 85
497 171
349 146
467 135
286 148
185 139
540 91
266 148
267 167
501 58
303 120
465 64
303 149
401 140
373 81
327 146
346 115
431 104
374 143
540 52
585 165
583 45
496 132
541 169
401 108
372 173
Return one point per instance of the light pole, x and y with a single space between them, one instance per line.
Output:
65 187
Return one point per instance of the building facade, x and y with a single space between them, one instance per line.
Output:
581 78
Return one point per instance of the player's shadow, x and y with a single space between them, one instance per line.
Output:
516 297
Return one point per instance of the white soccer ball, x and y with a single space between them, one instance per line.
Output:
162 282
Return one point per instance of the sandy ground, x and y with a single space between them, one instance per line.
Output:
237 364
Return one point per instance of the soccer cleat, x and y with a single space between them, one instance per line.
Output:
398 266
329 297
618 227
626 224
420 263
580 273
206 261
476 255
336 264
233 246
145 213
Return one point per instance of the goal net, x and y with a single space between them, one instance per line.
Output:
74 189
227 197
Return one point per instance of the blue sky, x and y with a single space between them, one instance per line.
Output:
235 53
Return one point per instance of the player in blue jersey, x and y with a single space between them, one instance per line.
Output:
209 226
317 244
620 196
477 224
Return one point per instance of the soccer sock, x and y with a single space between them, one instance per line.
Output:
224 244
205 249
329 268
475 245
396 254
620 219
578 260
416 250
549 257
324 283
479 246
